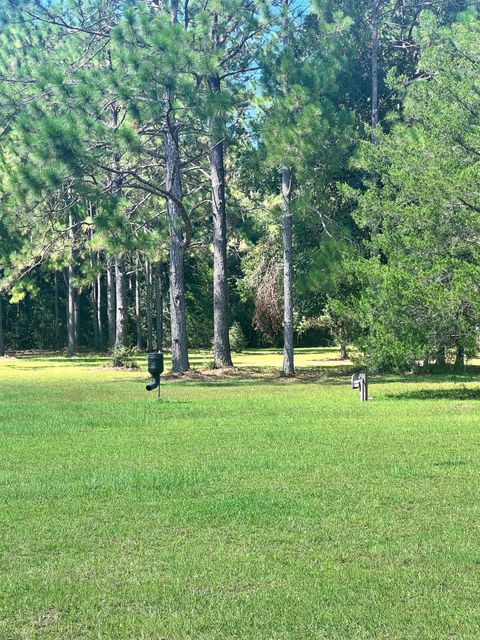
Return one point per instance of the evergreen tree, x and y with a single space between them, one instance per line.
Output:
303 131
420 296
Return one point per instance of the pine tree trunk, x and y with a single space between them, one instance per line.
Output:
2 337
149 304
221 342
138 315
178 321
76 298
111 304
288 364
56 325
287 237
121 303
176 268
374 97
71 313
178 324
119 320
94 299
374 62
96 335
72 331
98 310
159 306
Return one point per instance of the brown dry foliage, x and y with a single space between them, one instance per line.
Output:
268 317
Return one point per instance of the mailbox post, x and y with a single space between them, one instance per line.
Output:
360 382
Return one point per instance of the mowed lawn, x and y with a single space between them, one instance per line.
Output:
247 507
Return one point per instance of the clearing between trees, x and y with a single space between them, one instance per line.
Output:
245 507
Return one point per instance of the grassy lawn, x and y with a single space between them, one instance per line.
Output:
248 507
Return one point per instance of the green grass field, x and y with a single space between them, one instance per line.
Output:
246 507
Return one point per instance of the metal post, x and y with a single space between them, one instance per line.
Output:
363 387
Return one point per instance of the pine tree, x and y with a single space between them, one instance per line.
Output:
300 83
420 294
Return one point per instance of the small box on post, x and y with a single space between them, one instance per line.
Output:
360 382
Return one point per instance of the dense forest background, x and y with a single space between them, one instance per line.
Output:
222 174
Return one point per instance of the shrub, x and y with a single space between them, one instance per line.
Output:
124 357
237 338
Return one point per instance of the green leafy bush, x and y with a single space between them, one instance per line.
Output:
124 357
237 338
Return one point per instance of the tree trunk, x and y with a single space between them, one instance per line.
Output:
96 333
176 274
221 342
148 280
72 307
460 357
374 61
121 303
98 310
2 337
77 316
441 359
138 315
287 235
374 98
173 186
56 325
159 305
343 342
71 313
288 364
111 304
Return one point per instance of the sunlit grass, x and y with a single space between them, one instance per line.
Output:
273 358
249 507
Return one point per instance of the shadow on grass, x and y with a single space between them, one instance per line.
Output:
77 361
451 463
251 375
333 376
461 393
468 374
264 376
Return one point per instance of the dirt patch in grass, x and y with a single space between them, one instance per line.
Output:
303 374
225 373
112 367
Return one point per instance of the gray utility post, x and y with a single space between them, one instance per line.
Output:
360 382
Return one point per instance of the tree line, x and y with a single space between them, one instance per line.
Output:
190 173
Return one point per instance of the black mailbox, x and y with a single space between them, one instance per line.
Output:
155 369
